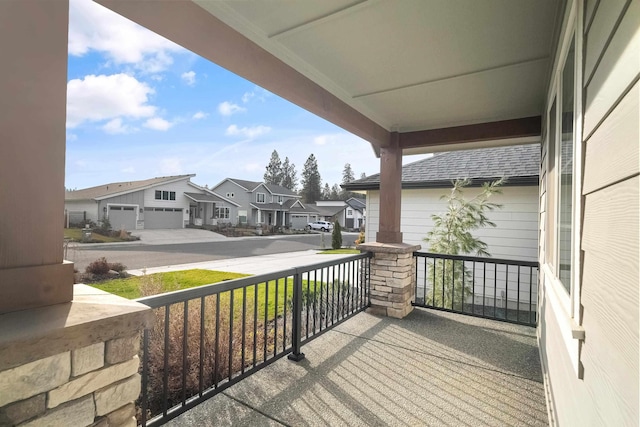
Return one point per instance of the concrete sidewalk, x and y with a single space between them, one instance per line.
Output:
250 265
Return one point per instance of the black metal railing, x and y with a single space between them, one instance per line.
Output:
208 338
499 289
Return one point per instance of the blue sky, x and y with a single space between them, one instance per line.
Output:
139 106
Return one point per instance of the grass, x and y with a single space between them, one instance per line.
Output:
340 251
75 234
131 286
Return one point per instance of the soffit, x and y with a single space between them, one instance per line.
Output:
410 65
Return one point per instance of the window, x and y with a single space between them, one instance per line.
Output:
349 212
565 156
222 213
260 197
230 195
280 199
165 195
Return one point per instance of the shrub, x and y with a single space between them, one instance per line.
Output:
336 236
101 267
360 239
98 267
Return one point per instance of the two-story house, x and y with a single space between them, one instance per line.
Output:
260 203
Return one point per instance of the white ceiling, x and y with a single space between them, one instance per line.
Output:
410 64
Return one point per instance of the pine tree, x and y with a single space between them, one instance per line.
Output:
326 192
335 192
311 181
273 173
289 175
363 175
347 176
451 234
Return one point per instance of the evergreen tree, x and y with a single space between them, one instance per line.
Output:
335 192
451 234
311 181
363 175
336 236
273 173
326 192
289 175
347 174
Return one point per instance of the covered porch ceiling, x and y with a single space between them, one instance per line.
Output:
443 74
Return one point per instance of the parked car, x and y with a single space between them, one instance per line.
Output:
320 225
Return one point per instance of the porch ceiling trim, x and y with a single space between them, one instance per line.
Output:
492 131
188 25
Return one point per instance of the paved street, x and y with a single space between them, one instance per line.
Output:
136 255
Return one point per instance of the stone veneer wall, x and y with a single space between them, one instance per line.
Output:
87 385
393 278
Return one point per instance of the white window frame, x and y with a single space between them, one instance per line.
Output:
566 305
222 213
264 198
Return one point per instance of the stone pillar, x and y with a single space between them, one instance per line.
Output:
393 278
73 364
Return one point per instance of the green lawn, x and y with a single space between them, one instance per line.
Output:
152 284
75 234
341 251
131 287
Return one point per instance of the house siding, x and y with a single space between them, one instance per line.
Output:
514 237
240 196
607 392
181 202
136 198
79 206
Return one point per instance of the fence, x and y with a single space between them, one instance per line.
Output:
208 338
498 289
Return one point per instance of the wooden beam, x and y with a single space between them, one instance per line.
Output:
390 192
190 26
506 129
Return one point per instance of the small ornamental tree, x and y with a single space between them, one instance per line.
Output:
336 236
451 234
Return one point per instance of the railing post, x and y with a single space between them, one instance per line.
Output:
296 329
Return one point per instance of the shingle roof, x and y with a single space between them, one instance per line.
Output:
519 163
275 189
329 210
106 190
356 204
199 197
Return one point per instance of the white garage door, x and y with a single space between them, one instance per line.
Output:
122 217
298 222
156 218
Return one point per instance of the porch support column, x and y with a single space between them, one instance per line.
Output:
33 86
390 191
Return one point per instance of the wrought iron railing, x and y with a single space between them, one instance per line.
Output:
499 289
208 338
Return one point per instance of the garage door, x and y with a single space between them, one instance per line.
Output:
155 218
298 222
122 217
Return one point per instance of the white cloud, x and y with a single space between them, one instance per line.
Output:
189 77
115 126
102 97
320 140
248 132
247 96
157 123
128 169
199 115
71 137
93 27
227 108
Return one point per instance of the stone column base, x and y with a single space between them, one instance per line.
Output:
393 278
73 364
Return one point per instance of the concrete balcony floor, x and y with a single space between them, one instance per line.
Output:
431 368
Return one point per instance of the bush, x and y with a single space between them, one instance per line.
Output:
336 236
98 267
360 239
101 267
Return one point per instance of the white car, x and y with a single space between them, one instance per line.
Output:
320 225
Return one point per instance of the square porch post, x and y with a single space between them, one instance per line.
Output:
68 354
393 265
